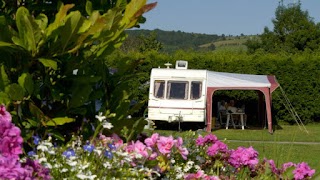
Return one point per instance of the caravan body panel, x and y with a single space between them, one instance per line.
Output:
177 95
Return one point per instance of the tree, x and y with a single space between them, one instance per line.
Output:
150 43
54 72
294 30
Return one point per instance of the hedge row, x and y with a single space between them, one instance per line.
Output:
298 75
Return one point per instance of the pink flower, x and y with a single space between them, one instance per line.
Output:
200 141
37 169
285 166
244 157
199 175
210 138
217 147
272 166
153 156
138 147
10 168
165 144
182 150
151 141
4 114
207 177
10 139
303 171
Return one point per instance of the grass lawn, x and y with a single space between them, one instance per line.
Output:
271 146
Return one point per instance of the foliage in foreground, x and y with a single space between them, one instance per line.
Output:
154 157
53 71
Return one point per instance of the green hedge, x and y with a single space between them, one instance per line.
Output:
298 75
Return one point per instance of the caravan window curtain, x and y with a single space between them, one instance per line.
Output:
196 88
159 89
177 90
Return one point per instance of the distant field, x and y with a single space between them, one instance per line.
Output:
233 43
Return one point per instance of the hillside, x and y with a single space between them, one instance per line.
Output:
175 40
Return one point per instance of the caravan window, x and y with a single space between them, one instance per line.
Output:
196 87
159 89
177 90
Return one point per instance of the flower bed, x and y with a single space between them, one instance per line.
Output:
154 157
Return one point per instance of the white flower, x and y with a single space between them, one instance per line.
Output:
107 165
98 151
48 165
43 159
72 163
100 117
42 147
64 170
107 125
188 166
85 166
83 176
172 161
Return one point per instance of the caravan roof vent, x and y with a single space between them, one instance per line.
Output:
181 64
168 65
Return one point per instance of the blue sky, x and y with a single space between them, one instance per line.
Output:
229 17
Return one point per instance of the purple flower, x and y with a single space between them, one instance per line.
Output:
287 165
10 168
210 138
37 170
31 153
68 153
303 171
88 147
36 139
200 141
108 154
272 166
243 157
217 147
11 142
112 146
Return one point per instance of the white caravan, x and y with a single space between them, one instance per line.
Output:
177 94
185 95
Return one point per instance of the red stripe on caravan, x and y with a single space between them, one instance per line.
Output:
157 107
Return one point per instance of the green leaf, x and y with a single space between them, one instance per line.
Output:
56 134
38 114
70 30
42 21
59 20
49 63
80 95
33 122
5 34
15 92
4 98
4 81
87 79
59 121
25 80
89 7
29 32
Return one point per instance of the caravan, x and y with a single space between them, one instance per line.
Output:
177 94
185 95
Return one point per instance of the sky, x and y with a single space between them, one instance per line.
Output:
228 17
